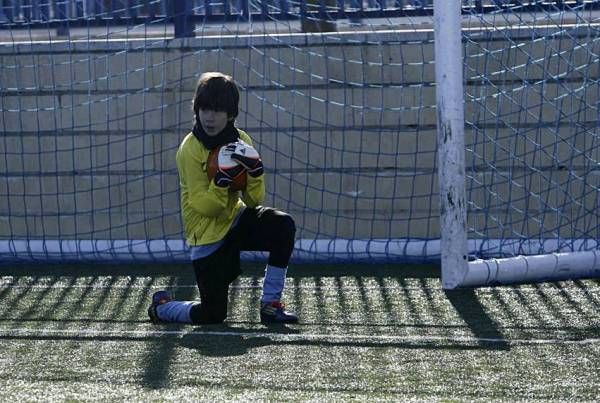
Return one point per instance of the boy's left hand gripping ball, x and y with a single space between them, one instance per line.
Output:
225 171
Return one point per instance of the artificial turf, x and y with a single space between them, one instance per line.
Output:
389 332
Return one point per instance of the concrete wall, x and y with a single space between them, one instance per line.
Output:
345 124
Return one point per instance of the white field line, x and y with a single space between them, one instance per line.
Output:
285 337
241 287
155 287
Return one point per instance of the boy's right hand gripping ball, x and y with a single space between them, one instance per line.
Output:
225 171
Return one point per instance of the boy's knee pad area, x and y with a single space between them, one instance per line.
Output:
208 314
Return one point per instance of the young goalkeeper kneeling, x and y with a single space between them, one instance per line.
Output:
218 223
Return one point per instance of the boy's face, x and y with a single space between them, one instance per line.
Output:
212 121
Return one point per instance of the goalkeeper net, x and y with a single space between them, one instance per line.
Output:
339 98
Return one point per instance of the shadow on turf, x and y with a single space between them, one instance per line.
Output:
471 311
158 360
235 341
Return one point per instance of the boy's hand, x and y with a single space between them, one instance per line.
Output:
222 179
227 167
248 157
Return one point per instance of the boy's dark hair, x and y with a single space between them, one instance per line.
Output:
217 92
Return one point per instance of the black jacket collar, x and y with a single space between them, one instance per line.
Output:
228 135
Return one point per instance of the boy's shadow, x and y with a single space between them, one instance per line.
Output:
225 341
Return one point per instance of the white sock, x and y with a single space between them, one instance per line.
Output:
273 284
175 311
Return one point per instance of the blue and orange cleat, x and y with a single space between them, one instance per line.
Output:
274 312
158 298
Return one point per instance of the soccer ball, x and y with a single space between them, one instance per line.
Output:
239 180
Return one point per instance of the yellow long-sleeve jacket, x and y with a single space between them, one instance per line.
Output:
208 211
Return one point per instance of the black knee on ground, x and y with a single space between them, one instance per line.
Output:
203 314
219 315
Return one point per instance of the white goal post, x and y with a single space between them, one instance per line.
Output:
450 139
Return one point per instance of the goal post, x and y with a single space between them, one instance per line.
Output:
530 269
450 140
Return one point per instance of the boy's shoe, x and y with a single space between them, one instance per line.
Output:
158 298
274 312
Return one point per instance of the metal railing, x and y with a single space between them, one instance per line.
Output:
184 14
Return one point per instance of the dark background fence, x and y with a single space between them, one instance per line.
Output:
65 14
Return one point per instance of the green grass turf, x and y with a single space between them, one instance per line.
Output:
367 333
